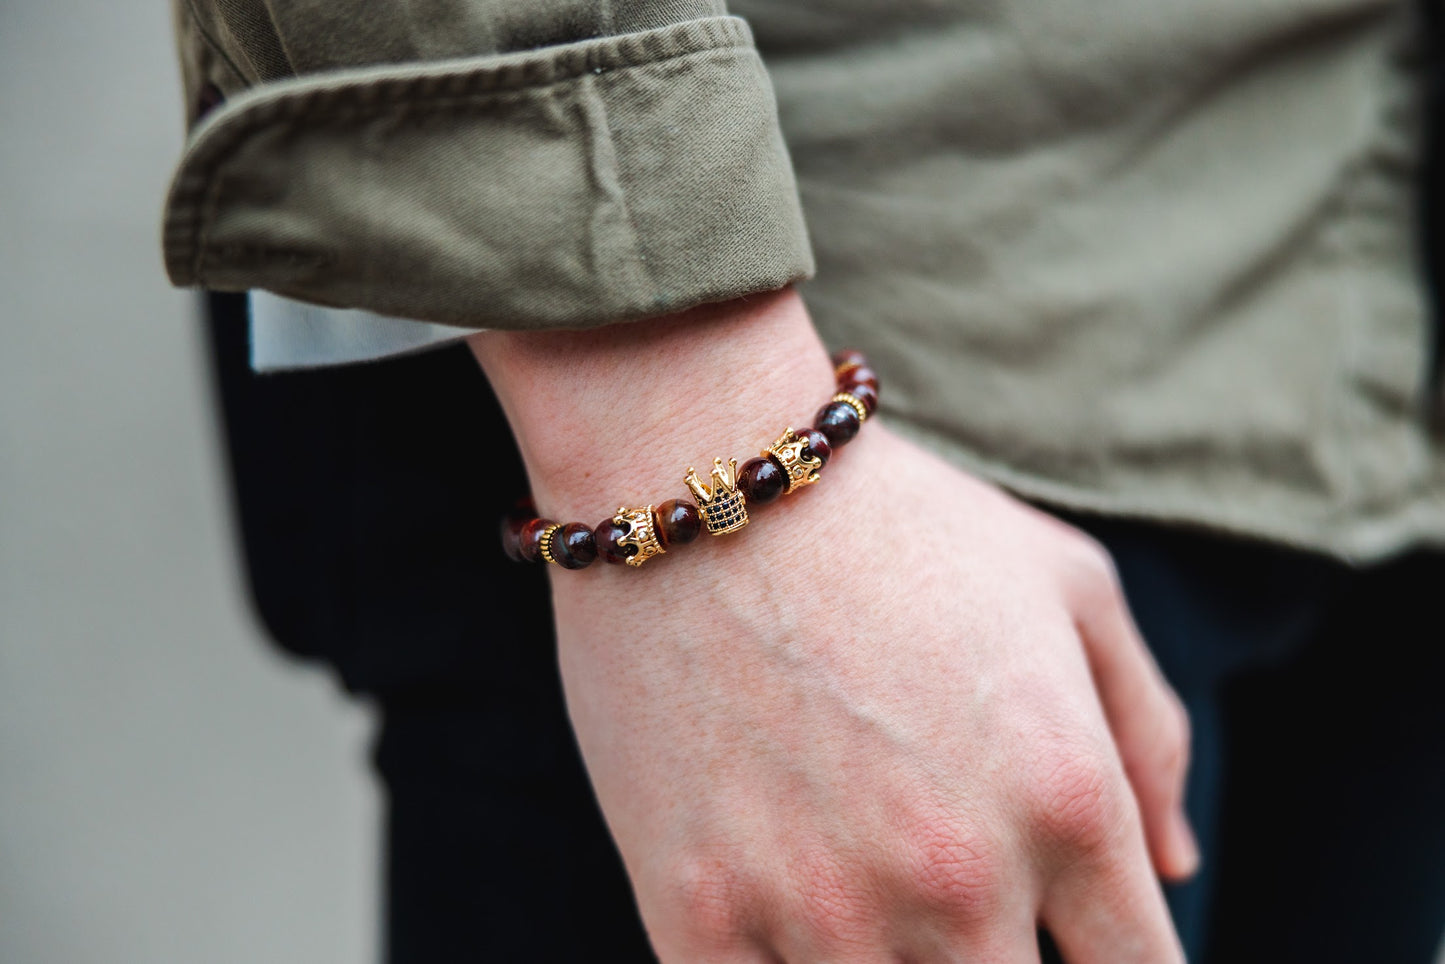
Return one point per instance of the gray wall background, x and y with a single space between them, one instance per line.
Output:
170 789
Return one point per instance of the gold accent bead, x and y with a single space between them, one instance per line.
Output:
546 544
723 506
641 532
801 469
853 403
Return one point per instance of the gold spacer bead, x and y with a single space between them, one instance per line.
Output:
546 544
853 403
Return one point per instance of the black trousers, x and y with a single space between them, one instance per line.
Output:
367 500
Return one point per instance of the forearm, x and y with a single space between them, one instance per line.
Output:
616 415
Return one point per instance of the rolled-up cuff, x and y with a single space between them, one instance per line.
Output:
561 188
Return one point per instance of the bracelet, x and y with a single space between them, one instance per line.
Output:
635 535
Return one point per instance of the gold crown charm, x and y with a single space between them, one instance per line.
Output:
788 450
641 532
723 506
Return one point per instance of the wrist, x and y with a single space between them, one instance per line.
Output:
616 415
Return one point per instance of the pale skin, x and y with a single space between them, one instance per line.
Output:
899 717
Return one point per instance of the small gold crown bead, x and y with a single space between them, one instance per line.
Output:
641 532
801 469
723 506
854 403
545 546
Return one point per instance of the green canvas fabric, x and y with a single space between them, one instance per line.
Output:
1147 259
584 183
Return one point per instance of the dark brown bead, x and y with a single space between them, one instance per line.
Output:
573 546
848 358
817 444
522 512
762 480
678 523
530 540
858 376
512 534
866 394
839 422
606 536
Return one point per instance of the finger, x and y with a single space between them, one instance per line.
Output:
1109 909
689 952
1014 942
803 945
711 930
1148 722
918 931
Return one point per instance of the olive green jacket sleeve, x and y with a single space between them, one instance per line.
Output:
485 163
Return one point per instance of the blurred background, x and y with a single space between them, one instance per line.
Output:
171 788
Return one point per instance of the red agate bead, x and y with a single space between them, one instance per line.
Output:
512 535
862 375
817 444
606 535
762 480
865 393
838 421
678 522
573 546
529 540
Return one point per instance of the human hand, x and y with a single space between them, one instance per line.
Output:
868 730
901 716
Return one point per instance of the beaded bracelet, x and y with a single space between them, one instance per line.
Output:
635 535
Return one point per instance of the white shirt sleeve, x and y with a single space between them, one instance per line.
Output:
287 334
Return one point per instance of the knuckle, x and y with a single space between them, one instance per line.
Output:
1183 729
954 868
1092 568
1174 737
1164 752
1175 734
1076 800
706 894
1095 558
830 902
